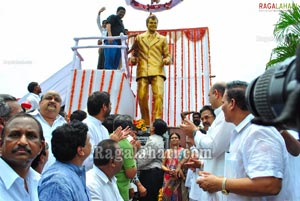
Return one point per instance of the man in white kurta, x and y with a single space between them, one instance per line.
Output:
257 151
48 116
99 107
215 143
256 164
101 180
101 187
97 133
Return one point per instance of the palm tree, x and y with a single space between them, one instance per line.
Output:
287 35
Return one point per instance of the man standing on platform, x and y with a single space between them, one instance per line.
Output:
114 27
151 53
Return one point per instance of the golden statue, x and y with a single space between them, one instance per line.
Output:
151 53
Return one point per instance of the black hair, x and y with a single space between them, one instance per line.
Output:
7 97
120 8
123 121
104 152
4 110
31 86
37 159
78 114
196 113
236 90
174 133
108 122
62 112
208 107
23 115
96 101
67 138
160 126
220 87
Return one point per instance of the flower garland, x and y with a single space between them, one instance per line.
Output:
81 88
195 70
91 82
102 80
140 124
153 7
111 81
72 92
119 94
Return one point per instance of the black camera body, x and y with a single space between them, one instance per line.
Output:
274 97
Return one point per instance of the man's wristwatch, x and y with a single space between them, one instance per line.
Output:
224 191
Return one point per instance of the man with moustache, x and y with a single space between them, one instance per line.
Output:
9 106
21 141
256 165
207 116
216 139
195 163
48 116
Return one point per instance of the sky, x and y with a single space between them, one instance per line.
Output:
37 36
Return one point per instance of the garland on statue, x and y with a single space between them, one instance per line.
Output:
153 7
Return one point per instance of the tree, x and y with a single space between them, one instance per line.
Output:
287 35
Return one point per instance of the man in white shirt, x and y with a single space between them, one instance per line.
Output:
99 107
48 116
256 165
217 139
101 180
21 141
34 97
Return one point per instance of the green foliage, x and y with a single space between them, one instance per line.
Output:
287 35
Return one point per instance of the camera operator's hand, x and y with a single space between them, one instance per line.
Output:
292 145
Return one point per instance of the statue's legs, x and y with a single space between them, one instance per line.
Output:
143 95
157 85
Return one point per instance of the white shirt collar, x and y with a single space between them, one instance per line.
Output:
244 123
103 176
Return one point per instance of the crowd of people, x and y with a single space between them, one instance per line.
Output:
95 155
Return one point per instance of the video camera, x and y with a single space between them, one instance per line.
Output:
274 97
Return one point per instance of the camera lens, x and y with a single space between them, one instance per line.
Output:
266 95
